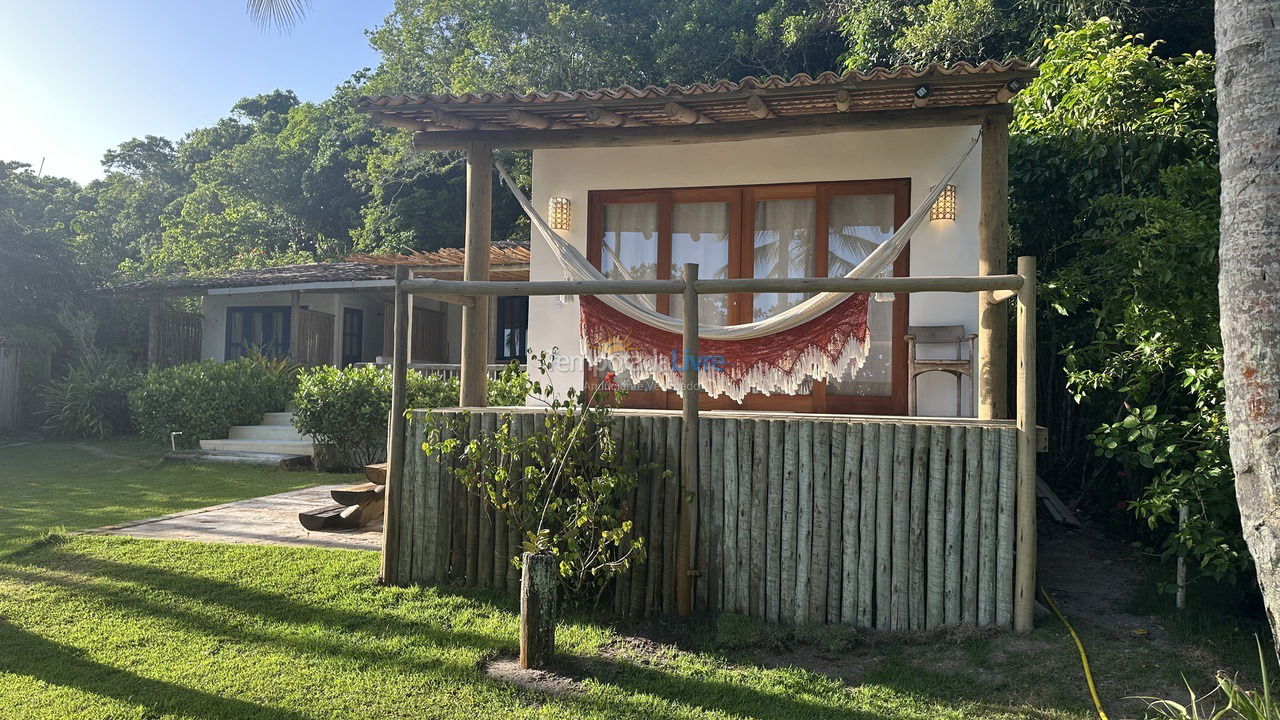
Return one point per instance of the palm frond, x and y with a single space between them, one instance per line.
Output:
282 15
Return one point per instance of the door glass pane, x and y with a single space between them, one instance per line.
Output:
700 234
783 249
858 224
629 251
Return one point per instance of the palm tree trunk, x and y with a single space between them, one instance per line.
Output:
1248 80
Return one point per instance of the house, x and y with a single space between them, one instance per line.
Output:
327 313
803 485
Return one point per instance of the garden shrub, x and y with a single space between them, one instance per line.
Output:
91 401
203 400
568 497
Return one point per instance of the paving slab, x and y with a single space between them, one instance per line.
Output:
268 520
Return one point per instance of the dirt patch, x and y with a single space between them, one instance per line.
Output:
100 452
556 682
639 650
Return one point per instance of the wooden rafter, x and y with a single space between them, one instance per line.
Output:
684 114
758 107
608 118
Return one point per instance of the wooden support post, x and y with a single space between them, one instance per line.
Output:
395 437
688 447
153 336
295 322
475 318
1025 561
993 259
537 610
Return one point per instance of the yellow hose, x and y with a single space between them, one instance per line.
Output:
1084 659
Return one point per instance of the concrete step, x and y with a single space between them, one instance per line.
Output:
265 432
277 418
279 447
284 462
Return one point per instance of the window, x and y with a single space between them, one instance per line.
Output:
352 336
261 329
776 231
512 328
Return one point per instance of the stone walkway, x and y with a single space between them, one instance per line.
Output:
269 520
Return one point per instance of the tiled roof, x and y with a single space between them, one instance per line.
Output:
960 85
508 260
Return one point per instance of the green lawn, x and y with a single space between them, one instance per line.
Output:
109 627
51 486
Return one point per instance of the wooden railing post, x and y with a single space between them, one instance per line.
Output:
688 447
537 609
390 574
993 259
1025 567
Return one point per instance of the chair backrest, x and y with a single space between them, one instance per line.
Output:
929 334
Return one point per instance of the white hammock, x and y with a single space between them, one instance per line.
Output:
577 267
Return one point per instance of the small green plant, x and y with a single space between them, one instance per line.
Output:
563 487
348 408
92 400
1241 704
511 387
203 400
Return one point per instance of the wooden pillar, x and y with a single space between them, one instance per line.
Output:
395 438
993 259
475 318
153 336
688 447
1025 544
537 609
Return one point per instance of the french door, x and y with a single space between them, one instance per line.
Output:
795 230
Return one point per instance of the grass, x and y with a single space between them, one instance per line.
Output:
110 627
57 486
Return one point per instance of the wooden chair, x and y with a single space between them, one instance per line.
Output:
959 366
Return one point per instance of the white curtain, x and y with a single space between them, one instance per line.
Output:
700 234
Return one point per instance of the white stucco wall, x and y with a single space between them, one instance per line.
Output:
923 155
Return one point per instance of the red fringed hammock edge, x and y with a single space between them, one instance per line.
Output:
822 348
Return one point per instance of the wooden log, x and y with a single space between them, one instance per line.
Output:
339 517
987 527
461 503
804 523
376 473
972 523
758 107
444 483
1004 527
936 529
868 518
423 529
916 604
821 533
537 610
1025 491
356 494
485 520
759 517
476 336
773 520
702 532
683 114
835 522
744 515
621 588
850 508
499 568
407 507
671 513
640 572
790 499
608 118
993 259
687 497
954 550
716 521
884 527
391 543
731 516
901 558
653 449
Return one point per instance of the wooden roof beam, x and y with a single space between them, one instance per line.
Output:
397 121
444 117
921 94
844 99
1006 93
758 107
718 132
684 114
608 118
534 122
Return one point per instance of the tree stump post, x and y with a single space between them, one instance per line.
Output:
537 610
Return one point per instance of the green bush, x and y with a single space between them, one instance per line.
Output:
92 401
348 408
203 400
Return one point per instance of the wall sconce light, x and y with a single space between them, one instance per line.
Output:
945 206
559 210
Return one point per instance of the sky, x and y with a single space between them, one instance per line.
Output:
81 76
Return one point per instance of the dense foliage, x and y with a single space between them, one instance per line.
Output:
203 400
568 498
1115 190
348 408
91 400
